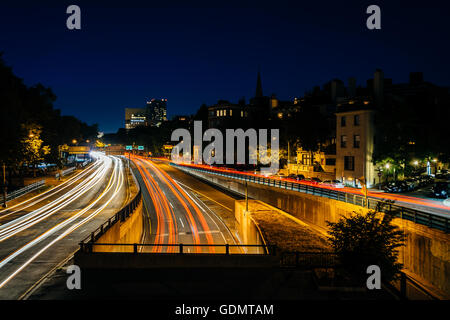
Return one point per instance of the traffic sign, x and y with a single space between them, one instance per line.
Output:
140 147
129 147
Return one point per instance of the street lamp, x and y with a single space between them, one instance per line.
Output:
74 141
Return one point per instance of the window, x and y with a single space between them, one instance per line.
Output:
343 141
343 121
242 113
330 161
231 112
349 163
225 112
356 141
356 120
218 113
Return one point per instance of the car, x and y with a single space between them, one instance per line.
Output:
316 180
441 189
332 183
297 177
278 175
397 186
412 184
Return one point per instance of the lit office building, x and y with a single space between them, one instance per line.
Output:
135 117
156 112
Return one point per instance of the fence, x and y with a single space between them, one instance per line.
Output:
420 217
309 259
121 215
24 190
65 172
87 245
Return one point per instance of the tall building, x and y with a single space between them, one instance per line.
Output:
135 117
355 133
156 112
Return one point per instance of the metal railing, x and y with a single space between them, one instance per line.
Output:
180 248
65 172
24 190
417 216
309 259
121 215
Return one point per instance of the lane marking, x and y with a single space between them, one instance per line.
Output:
181 222
204 195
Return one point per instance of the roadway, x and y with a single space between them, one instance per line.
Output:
177 215
40 233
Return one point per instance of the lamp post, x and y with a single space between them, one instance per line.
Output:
4 185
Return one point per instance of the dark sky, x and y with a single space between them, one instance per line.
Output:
130 51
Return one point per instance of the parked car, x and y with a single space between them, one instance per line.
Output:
316 180
398 186
297 177
278 175
441 189
412 184
332 183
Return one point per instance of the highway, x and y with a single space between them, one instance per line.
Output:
38 234
176 215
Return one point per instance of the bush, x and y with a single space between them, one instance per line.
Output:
364 240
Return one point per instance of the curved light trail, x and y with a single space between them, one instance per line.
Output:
93 180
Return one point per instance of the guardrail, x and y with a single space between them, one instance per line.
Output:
309 259
24 190
87 247
65 172
121 215
417 216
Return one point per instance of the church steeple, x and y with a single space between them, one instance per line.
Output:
259 92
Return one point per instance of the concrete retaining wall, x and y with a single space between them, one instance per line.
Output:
128 231
248 229
426 255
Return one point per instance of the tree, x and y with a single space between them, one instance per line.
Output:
364 240
32 148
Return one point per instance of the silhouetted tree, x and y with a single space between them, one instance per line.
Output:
364 240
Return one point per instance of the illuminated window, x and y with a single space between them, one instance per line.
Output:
356 141
343 141
242 113
218 114
231 112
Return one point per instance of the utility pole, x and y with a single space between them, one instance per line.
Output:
246 196
4 185
288 157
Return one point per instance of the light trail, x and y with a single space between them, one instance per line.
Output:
20 224
56 189
116 180
183 198
372 194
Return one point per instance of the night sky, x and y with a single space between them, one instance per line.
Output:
129 51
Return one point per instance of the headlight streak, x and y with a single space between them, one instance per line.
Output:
51 191
116 179
9 229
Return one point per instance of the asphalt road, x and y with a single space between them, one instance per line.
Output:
177 215
38 234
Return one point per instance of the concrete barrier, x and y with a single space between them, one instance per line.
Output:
248 229
426 255
128 231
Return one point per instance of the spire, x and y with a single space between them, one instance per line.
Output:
259 92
